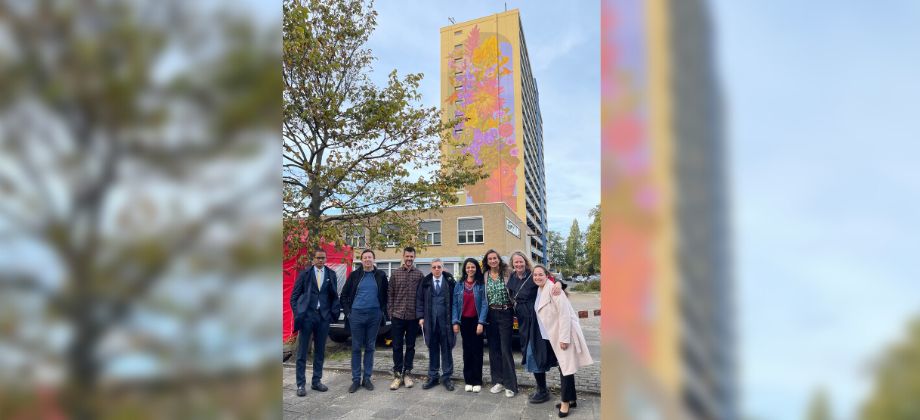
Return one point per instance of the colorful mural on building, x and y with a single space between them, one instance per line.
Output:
629 195
483 98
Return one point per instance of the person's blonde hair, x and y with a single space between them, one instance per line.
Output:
527 265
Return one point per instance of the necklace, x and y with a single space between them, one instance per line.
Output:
467 286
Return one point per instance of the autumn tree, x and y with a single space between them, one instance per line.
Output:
357 157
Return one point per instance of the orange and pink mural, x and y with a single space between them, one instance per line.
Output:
629 196
482 70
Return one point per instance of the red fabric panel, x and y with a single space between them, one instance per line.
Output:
290 269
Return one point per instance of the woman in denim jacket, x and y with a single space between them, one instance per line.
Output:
470 308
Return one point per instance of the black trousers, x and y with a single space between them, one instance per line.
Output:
567 386
404 331
472 351
501 362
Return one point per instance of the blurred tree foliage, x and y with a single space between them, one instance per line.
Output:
819 407
130 136
357 157
896 394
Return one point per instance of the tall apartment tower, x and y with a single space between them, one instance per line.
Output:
487 83
667 333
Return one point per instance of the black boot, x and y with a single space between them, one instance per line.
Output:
432 382
541 396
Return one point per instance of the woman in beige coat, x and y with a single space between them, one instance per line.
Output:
559 325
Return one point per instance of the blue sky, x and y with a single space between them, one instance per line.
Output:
822 99
564 47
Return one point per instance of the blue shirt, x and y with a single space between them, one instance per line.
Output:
366 296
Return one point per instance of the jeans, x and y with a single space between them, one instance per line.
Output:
364 325
319 329
437 345
401 328
501 362
531 363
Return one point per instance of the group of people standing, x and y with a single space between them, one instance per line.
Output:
480 306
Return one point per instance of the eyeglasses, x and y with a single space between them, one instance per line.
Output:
319 258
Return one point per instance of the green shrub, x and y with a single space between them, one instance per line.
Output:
588 286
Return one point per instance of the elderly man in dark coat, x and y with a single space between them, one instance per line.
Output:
433 308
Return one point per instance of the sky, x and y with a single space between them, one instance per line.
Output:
822 111
563 41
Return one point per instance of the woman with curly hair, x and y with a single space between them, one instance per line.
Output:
470 310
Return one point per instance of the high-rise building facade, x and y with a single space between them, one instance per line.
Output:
487 86
668 328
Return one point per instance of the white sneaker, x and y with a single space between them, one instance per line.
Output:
477 388
497 388
468 388
509 393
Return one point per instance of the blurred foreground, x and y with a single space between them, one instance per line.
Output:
139 234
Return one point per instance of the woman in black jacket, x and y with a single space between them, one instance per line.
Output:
538 356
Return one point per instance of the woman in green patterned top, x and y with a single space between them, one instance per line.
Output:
498 329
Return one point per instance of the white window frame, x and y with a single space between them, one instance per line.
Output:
471 233
429 236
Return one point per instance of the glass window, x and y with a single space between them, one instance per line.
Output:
425 268
469 230
432 229
356 238
390 235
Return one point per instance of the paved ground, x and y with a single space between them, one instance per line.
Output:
419 403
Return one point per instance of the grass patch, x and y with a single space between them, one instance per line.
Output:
588 286
338 354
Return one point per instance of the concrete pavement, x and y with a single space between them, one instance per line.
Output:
417 403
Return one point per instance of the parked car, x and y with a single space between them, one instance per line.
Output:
594 277
339 331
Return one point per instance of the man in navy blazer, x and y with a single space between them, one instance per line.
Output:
315 304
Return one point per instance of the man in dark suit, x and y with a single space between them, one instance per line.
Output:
315 303
433 308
